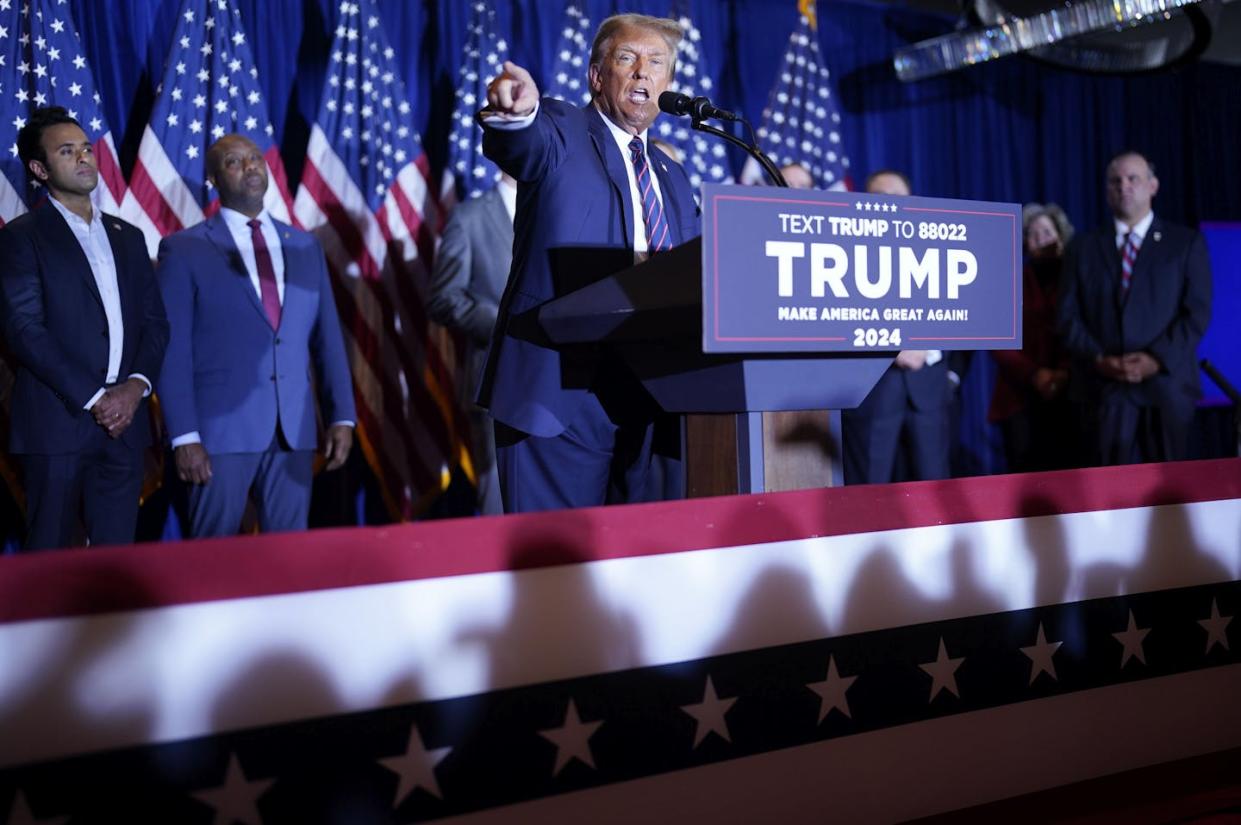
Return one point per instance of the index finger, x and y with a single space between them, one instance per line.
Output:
517 73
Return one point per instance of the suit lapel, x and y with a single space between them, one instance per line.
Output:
1144 268
126 291
1148 254
287 253
614 164
672 207
60 236
219 234
1109 256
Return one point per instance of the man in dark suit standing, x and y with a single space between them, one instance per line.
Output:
254 332
906 414
592 199
1135 303
84 320
471 269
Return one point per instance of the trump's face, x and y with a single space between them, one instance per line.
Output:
632 75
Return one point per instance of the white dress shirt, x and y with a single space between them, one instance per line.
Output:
508 194
1139 230
93 239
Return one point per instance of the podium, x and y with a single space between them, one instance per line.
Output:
651 316
794 301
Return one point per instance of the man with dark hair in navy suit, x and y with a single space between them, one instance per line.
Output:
592 199
1135 302
83 317
254 333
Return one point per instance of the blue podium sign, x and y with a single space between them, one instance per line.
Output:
796 270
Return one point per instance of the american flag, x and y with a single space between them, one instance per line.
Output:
468 173
210 88
567 80
704 158
365 193
801 123
42 64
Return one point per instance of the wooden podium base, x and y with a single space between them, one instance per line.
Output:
797 453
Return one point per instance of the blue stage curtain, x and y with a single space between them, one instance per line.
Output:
1013 130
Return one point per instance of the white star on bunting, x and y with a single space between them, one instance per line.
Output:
709 715
1040 654
416 767
832 691
572 739
237 799
1216 627
1131 638
943 672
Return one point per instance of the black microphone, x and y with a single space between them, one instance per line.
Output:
675 103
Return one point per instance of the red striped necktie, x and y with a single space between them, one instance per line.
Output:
1128 254
657 237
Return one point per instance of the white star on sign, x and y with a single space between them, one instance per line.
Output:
832 691
1131 637
415 767
236 800
709 714
1216 628
20 814
943 672
572 740
1040 654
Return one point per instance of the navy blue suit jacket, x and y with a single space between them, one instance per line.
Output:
1165 313
228 374
574 223
55 325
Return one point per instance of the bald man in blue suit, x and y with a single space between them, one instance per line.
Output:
570 424
254 334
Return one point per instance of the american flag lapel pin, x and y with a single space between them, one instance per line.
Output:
1158 236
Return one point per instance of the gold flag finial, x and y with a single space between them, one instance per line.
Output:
806 7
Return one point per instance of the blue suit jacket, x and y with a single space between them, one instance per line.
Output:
574 221
1165 313
55 325
228 374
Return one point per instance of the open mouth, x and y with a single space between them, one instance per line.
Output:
639 96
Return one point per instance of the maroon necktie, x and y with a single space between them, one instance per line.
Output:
267 274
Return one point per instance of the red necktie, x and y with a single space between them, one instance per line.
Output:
1128 254
267 274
